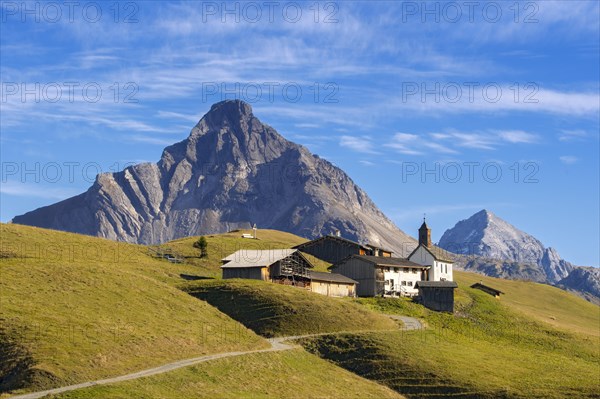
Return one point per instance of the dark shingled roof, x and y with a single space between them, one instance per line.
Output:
388 261
442 284
378 247
438 253
331 277
330 237
487 288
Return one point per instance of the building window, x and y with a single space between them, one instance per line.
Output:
410 283
387 282
404 283
395 269
387 269
446 266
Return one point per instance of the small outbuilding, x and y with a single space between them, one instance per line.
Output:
487 289
437 295
332 284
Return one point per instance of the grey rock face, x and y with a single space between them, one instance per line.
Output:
486 235
585 281
231 172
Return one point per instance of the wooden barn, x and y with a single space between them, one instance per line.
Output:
288 267
487 289
332 284
333 249
437 295
382 276
267 265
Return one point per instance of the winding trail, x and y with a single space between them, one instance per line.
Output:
410 323
277 344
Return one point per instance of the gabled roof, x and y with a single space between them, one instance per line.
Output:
331 277
486 288
438 253
379 248
258 257
440 284
387 261
330 237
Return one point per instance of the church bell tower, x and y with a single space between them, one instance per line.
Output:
424 235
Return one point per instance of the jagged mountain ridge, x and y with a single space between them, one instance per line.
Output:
487 236
231 172
584 281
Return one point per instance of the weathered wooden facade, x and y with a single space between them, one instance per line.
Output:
333 249
267 265
382 276
437 295
487 289
287 267
332 284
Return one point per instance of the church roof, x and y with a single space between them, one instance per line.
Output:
438 253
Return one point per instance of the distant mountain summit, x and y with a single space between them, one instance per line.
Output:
231 172
522 255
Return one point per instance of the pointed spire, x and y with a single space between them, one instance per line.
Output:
424 234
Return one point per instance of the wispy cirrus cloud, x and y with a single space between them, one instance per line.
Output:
582 104
573 135
452 142
517 136
363 144
568 159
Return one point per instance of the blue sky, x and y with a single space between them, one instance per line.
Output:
442 108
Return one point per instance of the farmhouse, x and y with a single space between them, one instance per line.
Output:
333 249
437 295
285 266
382 276
487 289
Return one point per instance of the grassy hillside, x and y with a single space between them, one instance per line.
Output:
542 302
487 349
222 245
293 374
276 310
74 308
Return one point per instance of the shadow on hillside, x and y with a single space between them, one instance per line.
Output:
17 367
190 277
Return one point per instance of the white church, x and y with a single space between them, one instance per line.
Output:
439 262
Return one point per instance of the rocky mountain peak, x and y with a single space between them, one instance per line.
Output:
236 107
232 171
487 235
